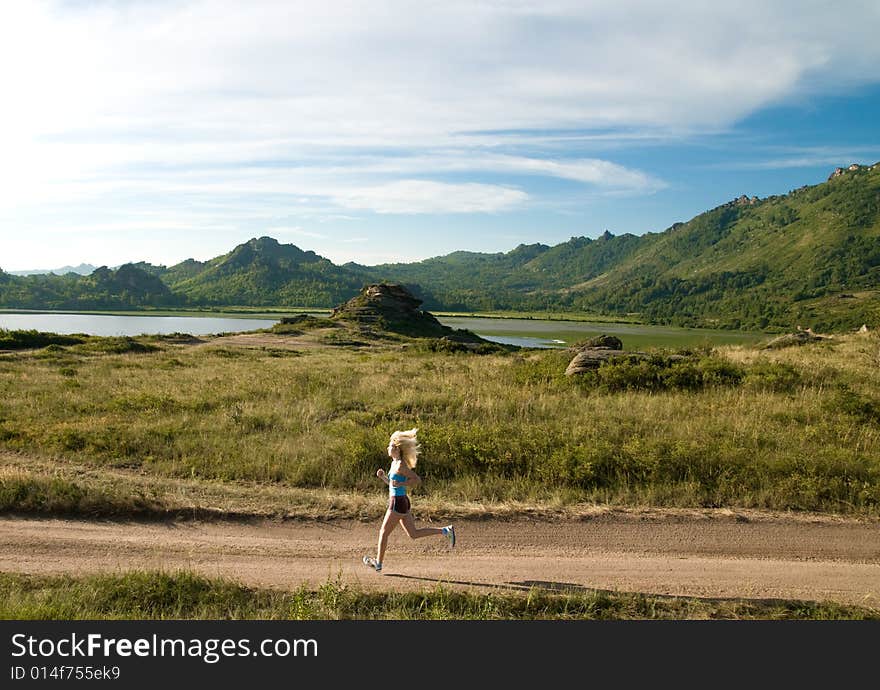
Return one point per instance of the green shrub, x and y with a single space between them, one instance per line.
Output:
118 346
666 372
862 407
778 377
449 346
25 339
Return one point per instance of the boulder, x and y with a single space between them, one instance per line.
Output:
792 339
391 307
591 358
590 354
604 341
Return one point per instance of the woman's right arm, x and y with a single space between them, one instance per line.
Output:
412 478
381 474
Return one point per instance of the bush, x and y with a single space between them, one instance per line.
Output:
295 325
860 406
453 346
20 340
666 372
778 377
118 346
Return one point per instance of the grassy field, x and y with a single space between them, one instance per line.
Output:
793 429
181 595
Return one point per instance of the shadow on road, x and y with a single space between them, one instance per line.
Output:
524 586
572 588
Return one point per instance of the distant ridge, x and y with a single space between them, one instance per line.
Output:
810 258
82 269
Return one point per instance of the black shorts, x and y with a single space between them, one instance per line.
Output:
398 504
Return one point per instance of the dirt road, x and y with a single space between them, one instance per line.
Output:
668 554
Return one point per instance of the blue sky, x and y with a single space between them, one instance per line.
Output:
396 131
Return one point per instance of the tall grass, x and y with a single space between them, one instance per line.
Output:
182 595
25 493
791 429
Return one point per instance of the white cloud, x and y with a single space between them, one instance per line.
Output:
808 158
388 106
396 74
421 196
277 231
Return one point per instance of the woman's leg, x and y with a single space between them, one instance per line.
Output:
388 524
409 526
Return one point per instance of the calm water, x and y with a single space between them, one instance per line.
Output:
554 333
111 324
523 332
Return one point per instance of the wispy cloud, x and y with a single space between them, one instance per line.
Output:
420 196
213 80
283 230
806 158
315 110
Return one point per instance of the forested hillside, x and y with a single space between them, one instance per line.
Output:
809 257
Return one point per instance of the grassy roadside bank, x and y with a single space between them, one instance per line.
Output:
148 595
62 488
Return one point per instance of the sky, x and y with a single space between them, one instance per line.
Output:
392 130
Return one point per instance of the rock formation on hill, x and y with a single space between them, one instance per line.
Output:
801 337
394 308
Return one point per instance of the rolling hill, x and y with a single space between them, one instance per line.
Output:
811 256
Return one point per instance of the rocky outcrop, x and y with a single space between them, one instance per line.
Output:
603 348
380 301
802 337
591 358
745 201
392 307
739 201
851 168
609 342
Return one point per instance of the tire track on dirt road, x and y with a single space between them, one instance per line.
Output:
823 560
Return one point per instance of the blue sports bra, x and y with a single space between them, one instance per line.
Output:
397 490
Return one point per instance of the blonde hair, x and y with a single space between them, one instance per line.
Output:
408 444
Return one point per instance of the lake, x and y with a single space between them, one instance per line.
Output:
116 324
558 333
543 333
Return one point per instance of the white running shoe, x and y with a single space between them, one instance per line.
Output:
373 563
449 533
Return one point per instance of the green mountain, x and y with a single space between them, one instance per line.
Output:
127 287
467 280
809 257
263 272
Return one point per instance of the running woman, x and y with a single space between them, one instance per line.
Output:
403 449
